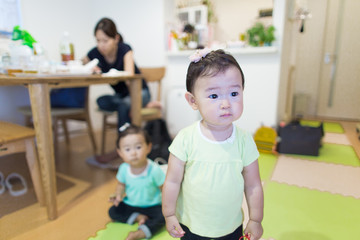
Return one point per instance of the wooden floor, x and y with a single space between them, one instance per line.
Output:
82 196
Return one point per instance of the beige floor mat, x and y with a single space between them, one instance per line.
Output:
336 179
336 138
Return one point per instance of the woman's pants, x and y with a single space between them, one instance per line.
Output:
121 104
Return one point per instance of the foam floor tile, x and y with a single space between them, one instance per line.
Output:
267 164
334 153
120 231
336 138
333 178
293 213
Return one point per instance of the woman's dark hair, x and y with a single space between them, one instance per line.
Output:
132 129
210 65
108 27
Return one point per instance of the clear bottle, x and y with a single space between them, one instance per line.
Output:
66 48
5 62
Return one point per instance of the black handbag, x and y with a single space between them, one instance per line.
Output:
298 139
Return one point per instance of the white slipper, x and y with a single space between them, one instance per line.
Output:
2 183
9 186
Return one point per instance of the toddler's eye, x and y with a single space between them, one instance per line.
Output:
213 96
234 94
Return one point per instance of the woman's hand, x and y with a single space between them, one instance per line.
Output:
173 227
254 229
96 70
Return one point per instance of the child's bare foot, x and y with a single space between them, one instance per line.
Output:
141 219
139 234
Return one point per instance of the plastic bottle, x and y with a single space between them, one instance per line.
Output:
66 48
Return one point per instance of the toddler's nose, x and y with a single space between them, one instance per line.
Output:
225 104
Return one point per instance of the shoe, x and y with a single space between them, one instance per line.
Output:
2 183
9 186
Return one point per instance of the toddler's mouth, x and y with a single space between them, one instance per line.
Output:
226 115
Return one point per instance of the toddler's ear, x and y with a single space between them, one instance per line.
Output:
191 100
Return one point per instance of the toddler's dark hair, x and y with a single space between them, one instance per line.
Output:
132 129
210 65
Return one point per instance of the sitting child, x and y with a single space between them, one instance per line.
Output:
138 193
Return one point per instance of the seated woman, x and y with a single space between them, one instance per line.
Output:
112 52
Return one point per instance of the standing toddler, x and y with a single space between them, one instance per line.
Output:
213 162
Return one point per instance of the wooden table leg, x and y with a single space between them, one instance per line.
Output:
136 101
40 106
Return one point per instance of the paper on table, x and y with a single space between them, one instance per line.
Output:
77 67
115 73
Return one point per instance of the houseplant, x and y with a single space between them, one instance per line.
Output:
259 35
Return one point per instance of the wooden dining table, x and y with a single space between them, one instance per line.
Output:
39 86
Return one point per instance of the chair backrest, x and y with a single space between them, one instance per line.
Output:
153 76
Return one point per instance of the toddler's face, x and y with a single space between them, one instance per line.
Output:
219 98
134 150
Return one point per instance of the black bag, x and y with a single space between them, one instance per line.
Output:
160 139
298 139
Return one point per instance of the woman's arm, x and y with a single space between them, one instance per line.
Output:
255 200
171 189
85 60
129 65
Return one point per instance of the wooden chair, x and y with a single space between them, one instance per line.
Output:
152 111
15 139
64 114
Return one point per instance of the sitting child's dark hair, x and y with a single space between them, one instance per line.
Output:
127 129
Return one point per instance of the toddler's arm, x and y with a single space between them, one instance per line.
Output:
171 188
119 194
255 200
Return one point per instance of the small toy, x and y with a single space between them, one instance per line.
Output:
265 139
246 237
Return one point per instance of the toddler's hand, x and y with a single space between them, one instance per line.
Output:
115 199
254 230
173 227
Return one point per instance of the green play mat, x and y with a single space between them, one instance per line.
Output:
293 213
328 126
120 231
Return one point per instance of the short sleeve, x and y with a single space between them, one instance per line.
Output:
250 153
178 146
120 176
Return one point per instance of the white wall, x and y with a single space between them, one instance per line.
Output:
139 21
142 23
239 16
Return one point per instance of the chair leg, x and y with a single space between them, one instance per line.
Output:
103 136
66 132
91 133
35 172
